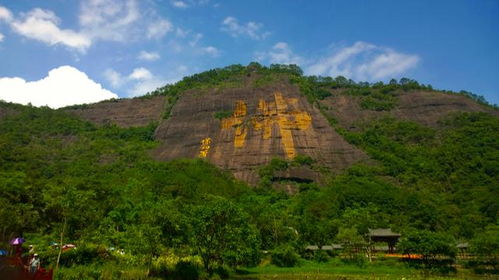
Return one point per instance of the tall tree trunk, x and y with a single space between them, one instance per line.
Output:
60 244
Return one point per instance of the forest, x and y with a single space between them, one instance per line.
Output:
66 179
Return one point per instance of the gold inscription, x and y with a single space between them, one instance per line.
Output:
205 147
281 112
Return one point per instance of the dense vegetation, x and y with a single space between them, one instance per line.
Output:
98 187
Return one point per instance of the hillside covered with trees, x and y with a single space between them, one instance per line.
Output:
97 186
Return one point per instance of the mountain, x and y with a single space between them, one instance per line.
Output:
253 114
283 159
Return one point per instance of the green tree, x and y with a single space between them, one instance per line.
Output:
223 236
430 245
485 246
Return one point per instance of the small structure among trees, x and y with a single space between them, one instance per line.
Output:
384 235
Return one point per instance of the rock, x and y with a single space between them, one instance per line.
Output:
123 112
264 124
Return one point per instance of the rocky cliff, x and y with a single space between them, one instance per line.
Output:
241 128
262 124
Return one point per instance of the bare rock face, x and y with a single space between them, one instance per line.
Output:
428 108
262 124
124 112
424 107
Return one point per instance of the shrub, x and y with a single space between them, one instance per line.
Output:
321 256
84 255
222 114
186 270
222 271
285 256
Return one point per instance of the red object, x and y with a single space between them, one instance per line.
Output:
12 268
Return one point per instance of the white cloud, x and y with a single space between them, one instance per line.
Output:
251 29
107 20
139 82
281 53
140 74
145 86
114 78
148 56
182 33
195 39
42 25
363 61
158 29
179 4
1 37
386 65
110 20
5 14
63 86
210 50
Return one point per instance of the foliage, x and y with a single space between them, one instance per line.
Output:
285 256
430 245
353 246
222 236
485 248
222 114
434 183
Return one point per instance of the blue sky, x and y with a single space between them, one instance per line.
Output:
64 52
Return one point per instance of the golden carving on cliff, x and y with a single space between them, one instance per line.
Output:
237 121
205 147
282 112
287 119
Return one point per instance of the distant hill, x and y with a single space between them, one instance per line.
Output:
277 159
246 116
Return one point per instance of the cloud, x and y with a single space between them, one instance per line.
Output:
159 28
42 25
145 86
179 4
5 14
1 37
140 74
210 50
110 20
139 82
363 61
280 53
114 78
63 86
387 64
106 20
251 29
195 39
148 56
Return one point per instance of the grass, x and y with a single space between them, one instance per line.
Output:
336 269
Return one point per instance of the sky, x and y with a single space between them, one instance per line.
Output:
64 52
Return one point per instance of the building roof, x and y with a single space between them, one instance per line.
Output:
325 247
463 245
383 232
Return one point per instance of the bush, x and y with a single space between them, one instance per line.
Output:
222 114
222 271
186 270
285 256
321 256
84 255
78 272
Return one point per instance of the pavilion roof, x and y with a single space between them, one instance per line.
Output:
383 232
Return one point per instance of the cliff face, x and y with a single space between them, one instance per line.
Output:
240 129
124 112
261 124
424 107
